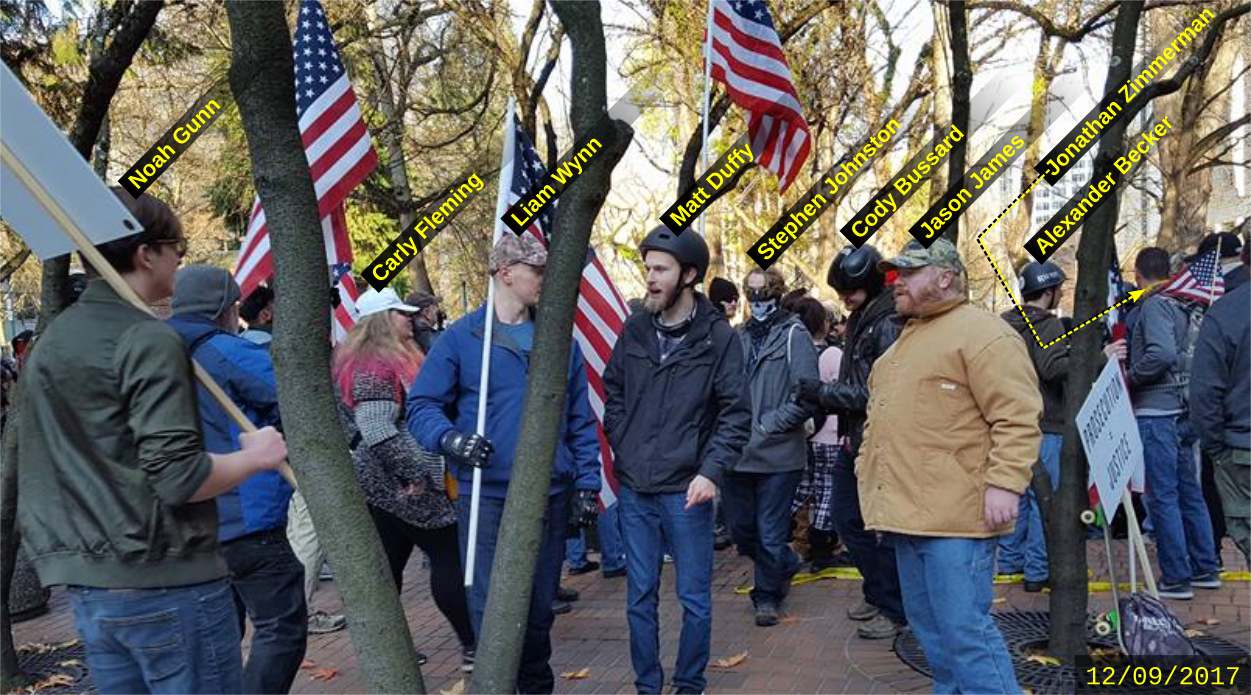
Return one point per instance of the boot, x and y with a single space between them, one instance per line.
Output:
822 549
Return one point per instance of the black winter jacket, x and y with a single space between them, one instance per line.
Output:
669 421
870 332
1051 364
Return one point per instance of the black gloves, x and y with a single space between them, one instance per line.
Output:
472 449
807 392
584 509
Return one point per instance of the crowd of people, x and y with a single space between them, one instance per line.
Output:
901 441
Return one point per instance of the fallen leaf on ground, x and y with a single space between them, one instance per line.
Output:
576 675
324 674
1210 621
457 689
1043 659
308 663
732 661
1192 633
58 680
790 619
999 600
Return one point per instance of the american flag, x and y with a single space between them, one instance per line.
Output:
1200 282
345 315
601 311
747 57
1114 327
336 144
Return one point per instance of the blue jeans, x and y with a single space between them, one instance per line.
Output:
874 557
534 675
758 509
1179 515
1026 546
175 640
613 555
646 522
268 583
947 596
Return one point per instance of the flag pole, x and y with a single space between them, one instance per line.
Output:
703 142
125 291
501 206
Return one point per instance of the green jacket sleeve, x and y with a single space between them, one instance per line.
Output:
158 391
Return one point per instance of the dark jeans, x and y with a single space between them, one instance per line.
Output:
176 640
535 673
874 557
650 524
758 509
447 574
1179 516
268 583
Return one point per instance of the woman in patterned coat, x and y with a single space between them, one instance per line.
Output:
403 483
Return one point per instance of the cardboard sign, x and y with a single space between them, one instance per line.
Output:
30 137
1110 436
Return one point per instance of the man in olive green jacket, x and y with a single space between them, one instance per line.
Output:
951 435
115 488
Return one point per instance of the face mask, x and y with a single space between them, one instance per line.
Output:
762 310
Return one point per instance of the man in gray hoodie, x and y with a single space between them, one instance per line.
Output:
759 488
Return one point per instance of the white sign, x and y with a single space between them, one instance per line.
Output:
33 140
1110 437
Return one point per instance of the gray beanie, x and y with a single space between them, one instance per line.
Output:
204 290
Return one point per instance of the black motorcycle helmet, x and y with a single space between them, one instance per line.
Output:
688 247
1036 277
856 269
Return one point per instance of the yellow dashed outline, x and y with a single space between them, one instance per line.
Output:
1132 295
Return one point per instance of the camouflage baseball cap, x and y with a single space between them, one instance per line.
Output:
941 253
512 249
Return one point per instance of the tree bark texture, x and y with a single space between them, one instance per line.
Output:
260 80
512 575
961 83
1067 554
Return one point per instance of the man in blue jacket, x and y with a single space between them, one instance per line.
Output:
267 579
443 414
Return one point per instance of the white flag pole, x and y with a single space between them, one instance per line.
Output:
501 206
703 142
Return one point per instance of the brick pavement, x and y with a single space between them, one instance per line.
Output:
814 650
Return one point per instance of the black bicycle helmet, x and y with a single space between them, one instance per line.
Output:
688 247
856 269
1036 277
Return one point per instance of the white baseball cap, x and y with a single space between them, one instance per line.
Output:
374 302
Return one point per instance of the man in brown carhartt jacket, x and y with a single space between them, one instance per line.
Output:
951 435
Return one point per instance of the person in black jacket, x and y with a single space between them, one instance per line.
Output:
677 419
871 329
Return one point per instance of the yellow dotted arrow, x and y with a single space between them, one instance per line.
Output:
1133 296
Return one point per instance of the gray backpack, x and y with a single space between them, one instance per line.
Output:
1149 629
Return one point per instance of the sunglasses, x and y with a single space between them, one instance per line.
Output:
180 245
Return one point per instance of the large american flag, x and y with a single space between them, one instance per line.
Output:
747 57
1201 281
601 311
339 154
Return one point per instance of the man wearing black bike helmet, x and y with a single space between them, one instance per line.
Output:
872 328
677 420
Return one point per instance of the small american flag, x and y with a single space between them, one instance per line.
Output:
1201 281
1114 327
336 143
601 311
747 57
345 315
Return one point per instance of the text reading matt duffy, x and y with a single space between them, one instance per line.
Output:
176 140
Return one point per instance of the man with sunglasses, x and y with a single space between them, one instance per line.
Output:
872 328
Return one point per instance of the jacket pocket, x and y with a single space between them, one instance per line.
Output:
937 402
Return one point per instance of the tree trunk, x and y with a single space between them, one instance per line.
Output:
260 77
512 575
1094 256
11 677
962 82
942 76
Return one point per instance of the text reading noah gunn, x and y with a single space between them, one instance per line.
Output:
176 140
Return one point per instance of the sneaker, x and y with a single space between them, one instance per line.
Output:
1180 591
325 575
721 541
1036 587
466 659
1207 581
567 595
561 607
862 611
590 566
320 623
766 615
422 659
879 627
612 574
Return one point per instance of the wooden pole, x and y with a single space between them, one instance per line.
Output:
111 276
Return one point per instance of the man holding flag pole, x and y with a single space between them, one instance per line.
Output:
467 403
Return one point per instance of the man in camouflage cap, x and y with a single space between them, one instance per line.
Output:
951 436
442 416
